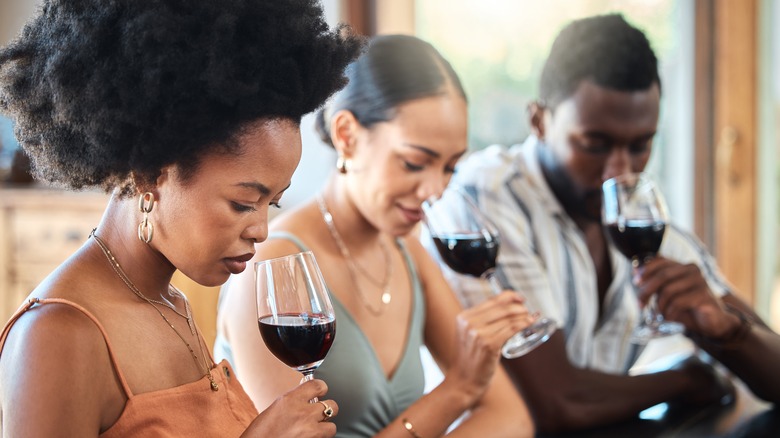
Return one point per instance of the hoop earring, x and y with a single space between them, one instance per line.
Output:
145 228
341 164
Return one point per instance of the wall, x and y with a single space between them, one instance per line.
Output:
13 14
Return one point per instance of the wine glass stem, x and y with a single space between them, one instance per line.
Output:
495 285
309 375
652 315
650 311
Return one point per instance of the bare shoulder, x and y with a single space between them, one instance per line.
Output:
48 327
415 248
303 223
55 371
440 299
426 266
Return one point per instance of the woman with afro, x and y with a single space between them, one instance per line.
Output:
189 113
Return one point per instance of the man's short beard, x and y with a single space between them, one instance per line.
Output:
578 203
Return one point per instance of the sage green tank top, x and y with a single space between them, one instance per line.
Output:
367 400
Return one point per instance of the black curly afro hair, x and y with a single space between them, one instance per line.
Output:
604 49
107 92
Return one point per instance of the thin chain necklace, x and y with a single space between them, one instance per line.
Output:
353 267
121 273
173 290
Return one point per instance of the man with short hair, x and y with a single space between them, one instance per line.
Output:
596 117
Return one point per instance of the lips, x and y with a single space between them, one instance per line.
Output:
237 265
412 215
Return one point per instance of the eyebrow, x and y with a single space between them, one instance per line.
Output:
604 136
261 188
424 150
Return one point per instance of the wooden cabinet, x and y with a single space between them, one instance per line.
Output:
39 229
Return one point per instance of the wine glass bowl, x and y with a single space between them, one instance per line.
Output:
468 242
294 313
468 253
635 217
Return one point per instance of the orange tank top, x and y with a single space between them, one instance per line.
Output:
192 409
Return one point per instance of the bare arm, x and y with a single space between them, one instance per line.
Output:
497 407
56 376
726 327
467 347
754 357
563 397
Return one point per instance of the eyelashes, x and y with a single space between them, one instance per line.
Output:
241 208
411 167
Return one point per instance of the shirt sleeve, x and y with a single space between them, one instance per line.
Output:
684 247
519 266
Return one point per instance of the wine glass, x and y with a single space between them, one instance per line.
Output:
294 311
468 243
635 218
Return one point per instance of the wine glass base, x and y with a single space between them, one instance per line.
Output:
528 339
644 333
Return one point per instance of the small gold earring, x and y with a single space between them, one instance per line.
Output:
145 228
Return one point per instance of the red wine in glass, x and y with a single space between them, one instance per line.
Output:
638 240
634 216
468 243
470 254
294 312
301 342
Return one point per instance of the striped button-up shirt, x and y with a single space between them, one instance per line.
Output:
543 255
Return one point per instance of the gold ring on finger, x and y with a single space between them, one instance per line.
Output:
327 412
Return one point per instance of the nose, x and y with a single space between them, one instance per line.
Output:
257 231
618 162
433 186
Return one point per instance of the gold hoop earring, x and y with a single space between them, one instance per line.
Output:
341 164
145 228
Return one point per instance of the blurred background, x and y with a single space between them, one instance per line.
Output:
715 153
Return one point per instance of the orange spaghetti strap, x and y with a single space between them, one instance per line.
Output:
33 301
25 307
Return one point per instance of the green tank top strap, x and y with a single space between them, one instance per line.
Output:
285 235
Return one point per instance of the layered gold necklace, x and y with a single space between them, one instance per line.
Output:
354 268
199 362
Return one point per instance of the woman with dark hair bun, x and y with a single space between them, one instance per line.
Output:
399 127
189 112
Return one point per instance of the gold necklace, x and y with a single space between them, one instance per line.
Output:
353 267
171 288
122 275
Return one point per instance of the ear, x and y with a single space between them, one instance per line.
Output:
164 177
344 131
536 117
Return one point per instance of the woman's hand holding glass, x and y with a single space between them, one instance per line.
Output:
291 415
482 331
468 243
295 315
